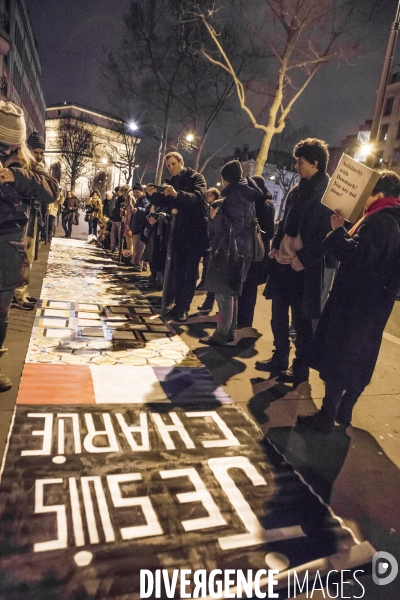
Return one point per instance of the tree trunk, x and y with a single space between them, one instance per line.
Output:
198 155
263 153
162 149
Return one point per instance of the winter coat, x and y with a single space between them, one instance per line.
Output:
237 213
349 334
16 200
311 220
71 206
93 209
190 230
239 208
116 216
138 218
265 214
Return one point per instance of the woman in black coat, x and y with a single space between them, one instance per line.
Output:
348 337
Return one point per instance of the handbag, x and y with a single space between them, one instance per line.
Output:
225 266
258 244
75 218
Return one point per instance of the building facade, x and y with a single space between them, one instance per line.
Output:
20 68
114 148
387 147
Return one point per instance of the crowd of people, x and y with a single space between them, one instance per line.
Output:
333 283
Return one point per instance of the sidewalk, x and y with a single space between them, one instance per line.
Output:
356 472
20 325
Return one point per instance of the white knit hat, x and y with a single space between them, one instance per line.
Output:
12 124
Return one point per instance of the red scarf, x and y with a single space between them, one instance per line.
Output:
374 207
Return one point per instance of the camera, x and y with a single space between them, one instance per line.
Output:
159 188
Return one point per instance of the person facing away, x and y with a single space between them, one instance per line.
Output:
184 192
233 222
257 275
296 262
349 334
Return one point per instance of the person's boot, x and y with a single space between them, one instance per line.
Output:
318 421
5 382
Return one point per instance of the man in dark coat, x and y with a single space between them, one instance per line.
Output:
296 267
184 192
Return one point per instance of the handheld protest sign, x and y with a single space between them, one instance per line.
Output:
350 187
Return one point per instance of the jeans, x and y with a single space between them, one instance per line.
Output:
93 226
116 228
66 222
137 249
287 287
5 303
227 318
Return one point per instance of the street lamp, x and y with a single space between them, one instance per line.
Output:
190 137
132 125
380 101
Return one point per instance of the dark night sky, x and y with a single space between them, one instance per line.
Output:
71 35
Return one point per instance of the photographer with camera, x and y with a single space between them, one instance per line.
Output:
21 180
184 192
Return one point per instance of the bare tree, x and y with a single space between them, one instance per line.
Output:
76 146
145 69
295 39
123 156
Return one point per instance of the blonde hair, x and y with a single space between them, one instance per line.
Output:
25 157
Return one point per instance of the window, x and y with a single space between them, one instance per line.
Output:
398 131
383 132
395 77
396 157
388 107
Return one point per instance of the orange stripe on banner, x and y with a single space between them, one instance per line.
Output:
56 384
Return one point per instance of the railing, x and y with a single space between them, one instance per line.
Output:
4 22
3 85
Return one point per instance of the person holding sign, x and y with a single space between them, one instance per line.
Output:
349 334
296 265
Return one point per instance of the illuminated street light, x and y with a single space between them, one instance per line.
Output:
104 160
366 149
190 137
132 125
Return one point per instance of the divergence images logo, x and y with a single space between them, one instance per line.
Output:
384 568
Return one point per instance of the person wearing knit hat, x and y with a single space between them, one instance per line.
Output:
12 124
231 234
36 145
20 180
232 171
